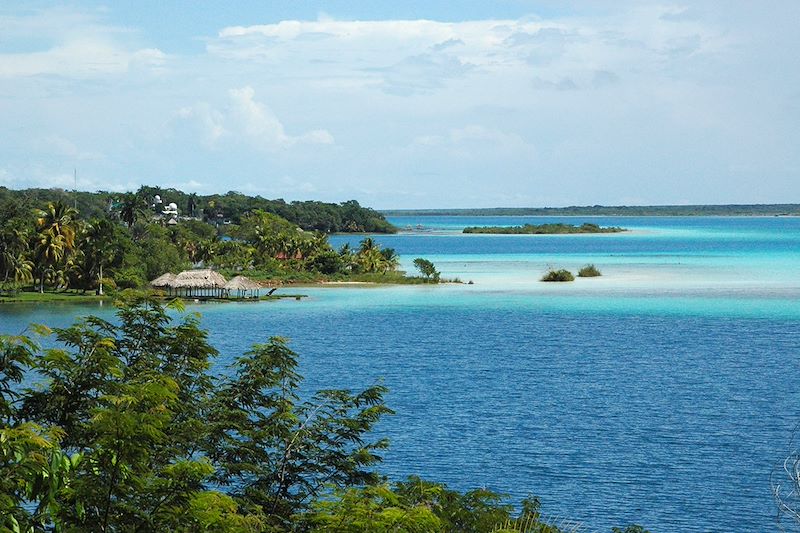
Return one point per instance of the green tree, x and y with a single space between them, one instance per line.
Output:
98 249
426 268
132 207
56 228
390 259
153 434
279 452
60 220
14 262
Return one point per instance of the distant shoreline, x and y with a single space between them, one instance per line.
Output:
764 210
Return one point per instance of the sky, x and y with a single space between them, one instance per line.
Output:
413 104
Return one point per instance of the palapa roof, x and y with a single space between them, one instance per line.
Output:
241 283
198 279
164 280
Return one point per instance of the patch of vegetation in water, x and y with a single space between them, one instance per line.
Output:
558 275
589 271
544 229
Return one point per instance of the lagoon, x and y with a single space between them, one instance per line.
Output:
662 393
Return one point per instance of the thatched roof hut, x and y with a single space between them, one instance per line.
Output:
243 286
196 283
199 279
242 283
164 280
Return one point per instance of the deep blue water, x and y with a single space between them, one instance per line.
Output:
648 402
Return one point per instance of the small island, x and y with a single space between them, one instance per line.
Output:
544 229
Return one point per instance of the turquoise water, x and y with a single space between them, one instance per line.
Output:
663 393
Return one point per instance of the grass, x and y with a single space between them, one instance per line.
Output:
313 278
558 275
589 271
66 296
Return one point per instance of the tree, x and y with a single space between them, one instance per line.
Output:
154 435
98 249
60 220
50 249
13 260
280 452
390 259
427 269
56 228
132 207
191 204
368 244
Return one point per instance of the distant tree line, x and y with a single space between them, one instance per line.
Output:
216 208
610 211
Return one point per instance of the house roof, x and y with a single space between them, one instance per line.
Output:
242 283
199 279
164 280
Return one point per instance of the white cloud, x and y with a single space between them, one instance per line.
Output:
210 122
73 45
631 99
248 119
63 147
407 56
259 123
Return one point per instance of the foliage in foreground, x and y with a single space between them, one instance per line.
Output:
129 430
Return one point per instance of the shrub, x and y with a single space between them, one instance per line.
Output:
558 275
589 271
129 278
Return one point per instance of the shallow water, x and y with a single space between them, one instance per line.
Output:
663 392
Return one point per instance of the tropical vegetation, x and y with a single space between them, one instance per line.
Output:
123 426
222 209
51 246
558 275
426 268
543 229
589 271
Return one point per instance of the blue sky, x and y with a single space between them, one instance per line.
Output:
407 104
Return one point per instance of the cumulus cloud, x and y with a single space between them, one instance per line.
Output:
249 119
404 57
617 98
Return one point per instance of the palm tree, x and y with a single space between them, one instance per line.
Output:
368 244
50 250
206 248
371 260
14 244
390 259
131 208
59 219
98 249
19 268
349 258
56 227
